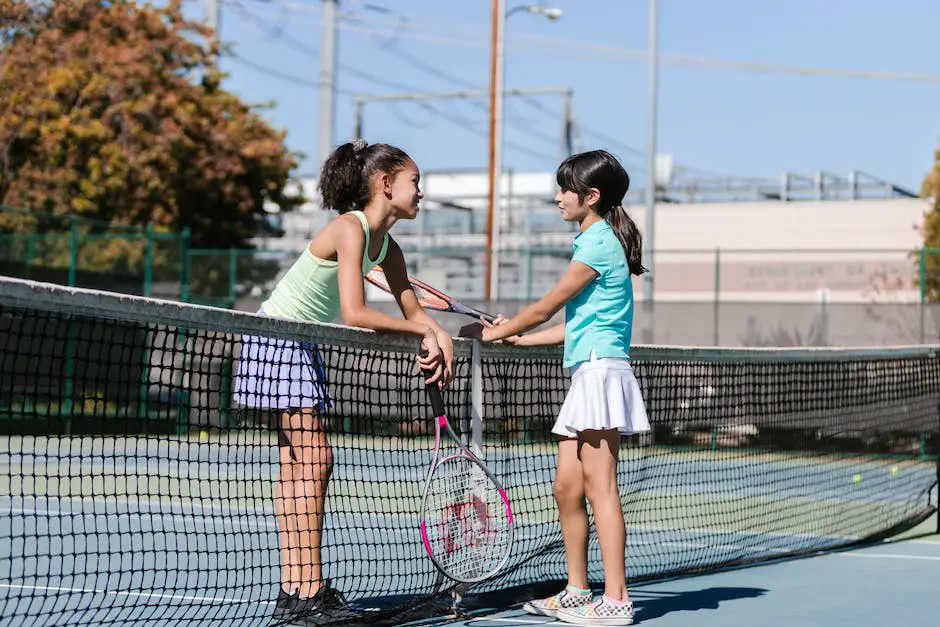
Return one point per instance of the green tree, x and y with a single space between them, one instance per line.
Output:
114 110
931 230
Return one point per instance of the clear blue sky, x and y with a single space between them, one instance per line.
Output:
719 120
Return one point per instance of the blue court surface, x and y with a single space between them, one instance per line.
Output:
891 583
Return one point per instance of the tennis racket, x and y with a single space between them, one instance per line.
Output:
466 520
429 297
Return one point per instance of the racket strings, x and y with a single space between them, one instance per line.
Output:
467 521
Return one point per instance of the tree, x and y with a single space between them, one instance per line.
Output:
931 232
114 110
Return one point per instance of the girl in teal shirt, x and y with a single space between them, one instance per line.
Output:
604 399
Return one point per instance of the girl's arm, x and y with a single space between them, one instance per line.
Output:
552 336
350 245
396 271
576 278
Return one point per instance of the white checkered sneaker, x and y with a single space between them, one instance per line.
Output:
600 612
563 600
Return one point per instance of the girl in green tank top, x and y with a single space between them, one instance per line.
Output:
371 187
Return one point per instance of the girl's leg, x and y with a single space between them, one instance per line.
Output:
599 451
287 521
572 514
572 511
306 465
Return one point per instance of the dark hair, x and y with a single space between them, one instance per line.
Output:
346 174
601 170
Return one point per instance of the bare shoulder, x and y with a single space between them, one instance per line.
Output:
344 230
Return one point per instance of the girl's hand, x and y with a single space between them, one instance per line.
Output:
431 357
447 348
486 329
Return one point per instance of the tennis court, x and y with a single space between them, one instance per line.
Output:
892 582
132 557
137 494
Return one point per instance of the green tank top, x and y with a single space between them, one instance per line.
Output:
310 288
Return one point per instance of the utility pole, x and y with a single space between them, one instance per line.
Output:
498 19
213 10
327 108
650 216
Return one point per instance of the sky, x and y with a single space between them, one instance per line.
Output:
712 120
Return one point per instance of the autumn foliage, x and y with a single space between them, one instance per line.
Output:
114 110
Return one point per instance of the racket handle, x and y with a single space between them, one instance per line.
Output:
437 401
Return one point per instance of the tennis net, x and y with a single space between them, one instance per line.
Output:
135 490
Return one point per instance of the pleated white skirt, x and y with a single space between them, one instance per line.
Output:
604 394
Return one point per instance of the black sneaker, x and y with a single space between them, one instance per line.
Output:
327 607
284 607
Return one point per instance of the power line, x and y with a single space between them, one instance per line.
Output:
537 44
285 39
391 47
276 73
462 122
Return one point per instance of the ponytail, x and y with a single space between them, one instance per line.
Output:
342 184
346 175
629 236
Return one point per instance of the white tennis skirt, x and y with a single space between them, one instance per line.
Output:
280 374
604 394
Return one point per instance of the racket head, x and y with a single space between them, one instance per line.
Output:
466 520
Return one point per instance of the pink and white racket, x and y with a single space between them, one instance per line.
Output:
466 520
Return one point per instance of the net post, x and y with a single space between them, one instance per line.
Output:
30 253
184 264
476 398
148 259
232 276
716 314
921 278
73 250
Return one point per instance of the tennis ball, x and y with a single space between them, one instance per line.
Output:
203 435
894 471
856 478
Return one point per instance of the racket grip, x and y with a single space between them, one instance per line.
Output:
437 401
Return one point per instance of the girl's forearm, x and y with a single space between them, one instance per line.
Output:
552 336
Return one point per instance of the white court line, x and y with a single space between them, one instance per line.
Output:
137 594
935 543
896 556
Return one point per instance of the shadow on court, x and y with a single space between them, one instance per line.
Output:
488 609
651 605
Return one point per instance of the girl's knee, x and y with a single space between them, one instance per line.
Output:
600 489
319 456
568 492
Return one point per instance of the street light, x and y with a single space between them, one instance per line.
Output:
550 12
499 16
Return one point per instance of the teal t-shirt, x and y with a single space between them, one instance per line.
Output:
600 317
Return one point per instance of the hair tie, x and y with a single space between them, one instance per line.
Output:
359 145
